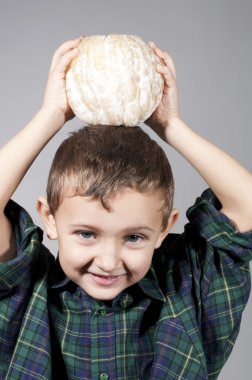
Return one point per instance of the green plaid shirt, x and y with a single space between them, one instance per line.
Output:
179 322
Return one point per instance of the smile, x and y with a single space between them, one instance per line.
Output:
105 280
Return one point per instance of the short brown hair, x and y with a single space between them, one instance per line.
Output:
97 161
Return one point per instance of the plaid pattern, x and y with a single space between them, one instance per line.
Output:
180 322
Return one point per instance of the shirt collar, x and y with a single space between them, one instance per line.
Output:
57 278
149 285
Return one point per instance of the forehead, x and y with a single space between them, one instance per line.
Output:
124 208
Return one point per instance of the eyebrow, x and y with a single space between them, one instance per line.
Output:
92 227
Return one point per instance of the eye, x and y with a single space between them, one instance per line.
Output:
134 238
86 234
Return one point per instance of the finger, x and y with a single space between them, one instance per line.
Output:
65 60
166 58
152 44
169 78
168 61
65 47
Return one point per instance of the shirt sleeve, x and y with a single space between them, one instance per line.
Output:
18 271
23 289
219 257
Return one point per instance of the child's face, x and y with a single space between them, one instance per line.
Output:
105 252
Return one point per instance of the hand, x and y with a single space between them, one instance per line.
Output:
168 107
55 98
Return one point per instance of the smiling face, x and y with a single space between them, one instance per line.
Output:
102 251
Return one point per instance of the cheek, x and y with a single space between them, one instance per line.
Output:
71 256
140 262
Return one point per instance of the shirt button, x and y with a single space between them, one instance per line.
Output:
103 376
123 303
103 312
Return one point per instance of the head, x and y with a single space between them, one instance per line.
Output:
109 204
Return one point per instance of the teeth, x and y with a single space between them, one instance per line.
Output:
109 277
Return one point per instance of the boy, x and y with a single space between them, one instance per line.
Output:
124 299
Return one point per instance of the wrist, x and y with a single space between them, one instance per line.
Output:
172 129
49 116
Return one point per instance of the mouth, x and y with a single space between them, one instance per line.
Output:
105 280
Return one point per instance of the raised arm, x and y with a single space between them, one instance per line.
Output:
230 182
19 153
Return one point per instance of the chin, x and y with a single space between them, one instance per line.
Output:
106 295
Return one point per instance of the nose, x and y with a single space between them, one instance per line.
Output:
109 258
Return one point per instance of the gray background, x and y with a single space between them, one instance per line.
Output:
210 42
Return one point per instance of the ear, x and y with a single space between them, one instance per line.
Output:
47 218
171 221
